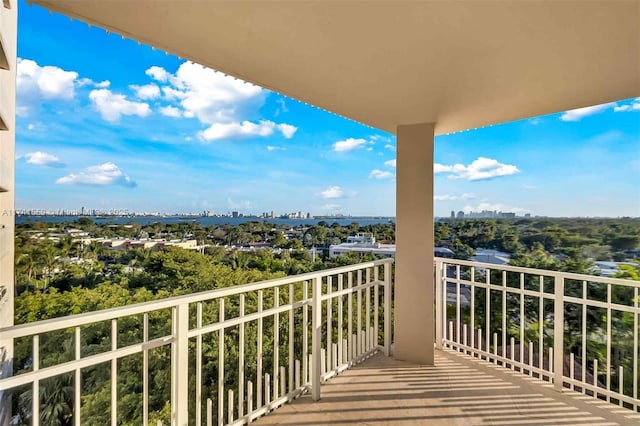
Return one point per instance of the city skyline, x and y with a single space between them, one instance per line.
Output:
104 121
459 214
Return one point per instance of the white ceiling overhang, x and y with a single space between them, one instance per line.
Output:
461 64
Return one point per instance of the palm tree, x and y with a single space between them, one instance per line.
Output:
25 268
48 258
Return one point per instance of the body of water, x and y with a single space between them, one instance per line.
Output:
205 221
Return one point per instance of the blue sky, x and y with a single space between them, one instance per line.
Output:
107 123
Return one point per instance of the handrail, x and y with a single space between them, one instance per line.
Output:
311 358
534 271
22 330
564 351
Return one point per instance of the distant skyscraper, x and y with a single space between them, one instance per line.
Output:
460 214
235 214
453 214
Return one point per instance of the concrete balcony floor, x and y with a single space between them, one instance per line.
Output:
459 390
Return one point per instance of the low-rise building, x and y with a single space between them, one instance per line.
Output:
362 243
494 257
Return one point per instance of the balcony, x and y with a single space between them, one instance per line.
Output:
515 346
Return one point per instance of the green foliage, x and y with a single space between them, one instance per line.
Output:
65 277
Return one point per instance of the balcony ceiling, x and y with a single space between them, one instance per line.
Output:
460 64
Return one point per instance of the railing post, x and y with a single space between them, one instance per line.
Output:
316 336
387 309
439 304
558 333
181 365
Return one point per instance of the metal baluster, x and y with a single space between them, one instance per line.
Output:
198 366
241 366
221 363
77 390
316 335
35 392
367 311
276 342
387 309
145 370
608 370
376 306
305 333
290 360
359 314
351 353
114 373
259 352
329 322
340 336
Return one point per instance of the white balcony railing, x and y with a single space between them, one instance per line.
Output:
225 356
576 331
231 355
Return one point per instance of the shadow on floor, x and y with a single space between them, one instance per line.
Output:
459 390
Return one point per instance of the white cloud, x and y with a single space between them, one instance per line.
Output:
171 94
380 138
441 168
633 106
170 111
219 131
535 121
287 130
348 144
158 73
148 91
390 163
112 105
379 174
40 158
275 148
447 197
481 168
35 83
217 100
101 175
212 96
332 192
578 114
88 82
390 147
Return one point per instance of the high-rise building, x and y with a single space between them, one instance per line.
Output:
8 38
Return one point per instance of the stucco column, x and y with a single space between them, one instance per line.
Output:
414 316
8 49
